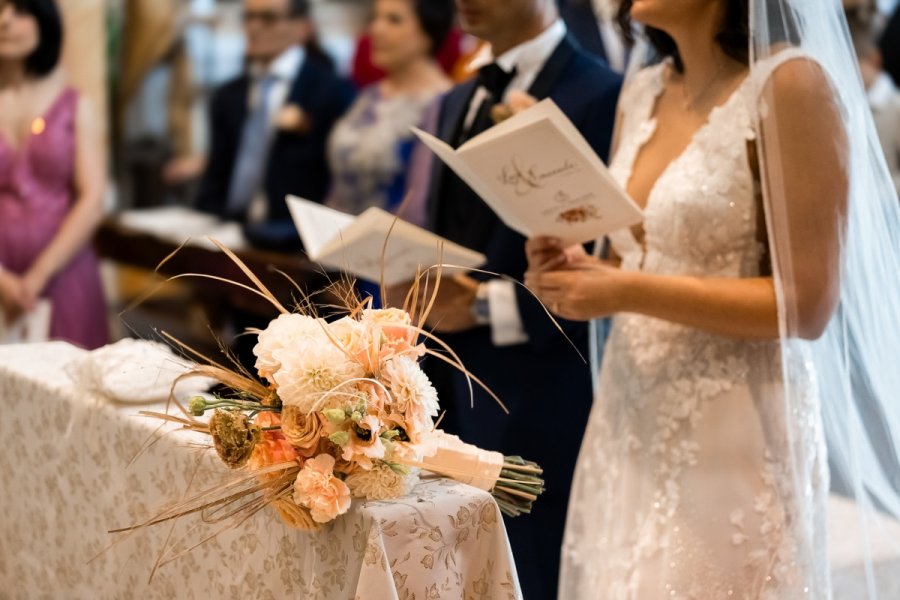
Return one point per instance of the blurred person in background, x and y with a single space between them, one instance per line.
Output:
495 327
890 46
52 174
372 152
884 99
269 126
593 25
365 72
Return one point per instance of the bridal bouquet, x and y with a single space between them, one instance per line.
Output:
336 410
347 407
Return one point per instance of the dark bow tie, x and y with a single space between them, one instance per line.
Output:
495 80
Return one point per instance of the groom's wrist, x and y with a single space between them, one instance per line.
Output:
481 307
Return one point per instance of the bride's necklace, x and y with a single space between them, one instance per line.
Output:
689 104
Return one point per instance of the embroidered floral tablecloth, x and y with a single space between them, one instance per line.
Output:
72 467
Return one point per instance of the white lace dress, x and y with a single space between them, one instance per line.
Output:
684 487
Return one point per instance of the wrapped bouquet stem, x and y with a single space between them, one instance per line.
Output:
514 482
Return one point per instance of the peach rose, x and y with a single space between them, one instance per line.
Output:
304 432
392 333
320 491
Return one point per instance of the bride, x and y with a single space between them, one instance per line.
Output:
738 316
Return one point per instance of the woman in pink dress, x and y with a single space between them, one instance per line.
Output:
51 180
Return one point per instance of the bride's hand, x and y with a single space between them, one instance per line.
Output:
547 254
592 291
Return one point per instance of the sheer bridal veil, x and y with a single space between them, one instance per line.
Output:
855 362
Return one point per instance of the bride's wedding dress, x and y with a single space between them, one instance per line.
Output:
684 487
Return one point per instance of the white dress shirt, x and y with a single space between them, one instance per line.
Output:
285 69
527 59
613 43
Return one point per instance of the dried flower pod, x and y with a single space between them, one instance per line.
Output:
233 436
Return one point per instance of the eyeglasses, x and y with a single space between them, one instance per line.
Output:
266 18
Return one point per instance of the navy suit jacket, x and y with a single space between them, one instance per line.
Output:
297 162
545 385
582 24
587 92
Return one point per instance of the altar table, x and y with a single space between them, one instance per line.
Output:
71 468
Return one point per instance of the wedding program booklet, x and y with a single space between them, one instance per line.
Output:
541 177
357 244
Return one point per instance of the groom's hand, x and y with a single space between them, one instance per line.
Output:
451 311
452 308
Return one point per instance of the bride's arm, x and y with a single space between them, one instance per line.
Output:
812 194
743 308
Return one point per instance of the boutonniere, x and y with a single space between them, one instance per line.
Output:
516 102
293 119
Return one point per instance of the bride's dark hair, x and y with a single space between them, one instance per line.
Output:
733 37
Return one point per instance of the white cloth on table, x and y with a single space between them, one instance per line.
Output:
67 477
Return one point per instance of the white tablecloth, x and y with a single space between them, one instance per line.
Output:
67 477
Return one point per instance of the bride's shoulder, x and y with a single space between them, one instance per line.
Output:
790 71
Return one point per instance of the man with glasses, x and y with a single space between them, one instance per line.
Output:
269 126
268 129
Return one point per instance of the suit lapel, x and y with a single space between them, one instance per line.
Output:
585 28
240 100
553 69
455 109
453 112
303 88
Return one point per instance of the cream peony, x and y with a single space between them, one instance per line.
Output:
381 483
316 488
350 333
287 332
386 317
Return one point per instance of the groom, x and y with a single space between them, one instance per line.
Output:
498 330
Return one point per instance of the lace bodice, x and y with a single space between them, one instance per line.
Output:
701 214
